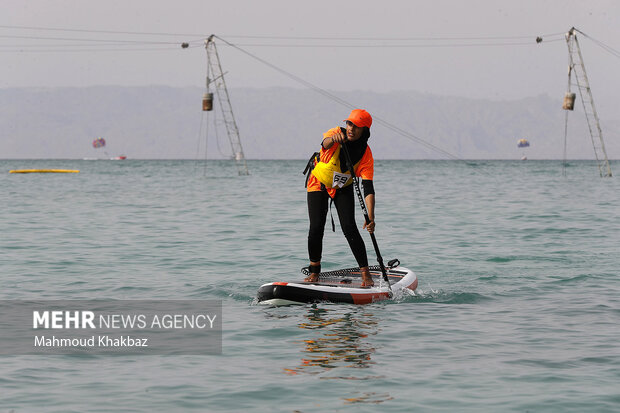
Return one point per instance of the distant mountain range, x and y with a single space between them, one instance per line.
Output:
159 122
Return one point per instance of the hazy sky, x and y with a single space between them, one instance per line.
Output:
476 48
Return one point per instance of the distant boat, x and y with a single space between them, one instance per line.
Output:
119 158
524 158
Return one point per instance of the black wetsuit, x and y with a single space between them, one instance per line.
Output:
344 201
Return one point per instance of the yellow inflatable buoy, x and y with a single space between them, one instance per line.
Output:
30 171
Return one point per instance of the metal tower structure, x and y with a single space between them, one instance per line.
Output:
215 77
577 67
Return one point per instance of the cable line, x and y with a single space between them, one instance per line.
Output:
153 49
69 39
437 38
392 45
100 31
333 41
203 35
343 102
602 45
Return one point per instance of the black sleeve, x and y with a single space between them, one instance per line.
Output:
369 188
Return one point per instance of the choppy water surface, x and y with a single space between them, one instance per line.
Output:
517 308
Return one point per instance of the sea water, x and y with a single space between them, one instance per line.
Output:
517 309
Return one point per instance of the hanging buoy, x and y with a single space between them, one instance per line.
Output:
569 101
207 102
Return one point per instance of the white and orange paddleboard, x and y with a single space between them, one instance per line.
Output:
341 286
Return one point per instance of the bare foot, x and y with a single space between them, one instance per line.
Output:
312 278
366 278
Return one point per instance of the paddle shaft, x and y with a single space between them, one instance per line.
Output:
358 191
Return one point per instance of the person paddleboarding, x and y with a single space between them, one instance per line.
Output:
330 178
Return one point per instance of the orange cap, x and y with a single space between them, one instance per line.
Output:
360 118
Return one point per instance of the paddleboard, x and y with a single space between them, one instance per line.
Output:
341 286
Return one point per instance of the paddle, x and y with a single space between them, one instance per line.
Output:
358 191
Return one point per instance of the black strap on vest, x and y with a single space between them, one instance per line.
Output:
331 202
314 159
331 214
